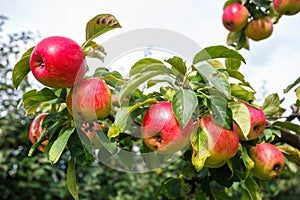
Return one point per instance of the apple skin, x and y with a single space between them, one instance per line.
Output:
36 130
287 7
259 29
221 143
161 130
235 17
268 161
57 62
257 124
89 100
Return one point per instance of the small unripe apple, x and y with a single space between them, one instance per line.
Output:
36 130
161 130
57 62
257 124
268 161
89 100
222 143
287 7
235 17
260 28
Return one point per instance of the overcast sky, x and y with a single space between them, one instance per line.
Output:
274 60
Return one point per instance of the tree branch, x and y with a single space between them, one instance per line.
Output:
287 137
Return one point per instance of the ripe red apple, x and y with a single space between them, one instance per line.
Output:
221 143
89 100
268 161
57 62
161 130
36 129
235 17
257 124
287 7
260 28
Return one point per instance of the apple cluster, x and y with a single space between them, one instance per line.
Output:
254 19
162 133
59 62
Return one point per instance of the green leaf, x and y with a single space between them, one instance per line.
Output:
80 149
219 51
184 104
288 88
237 75
252 189
71 179
222 175
241 116
288 126
238 40
298 92
171 188
149 72
22 68
139 65
268 133
100 24
241 93
200 151
271 105
123 118
32 99
232 63
219 195
291 153
167 79
178 65
93 50
248 162
60 144
222 114
215 78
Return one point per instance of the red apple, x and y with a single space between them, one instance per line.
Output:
259 29
89 100
36 130
221 143
57 62
161 130
235 17
257 124
268 161
287 7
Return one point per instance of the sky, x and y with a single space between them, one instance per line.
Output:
272 64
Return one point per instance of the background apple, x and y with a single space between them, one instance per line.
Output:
221 143
257 124
260 28
57 62
89 100
36 129
268 159
161 130
235 17
287 7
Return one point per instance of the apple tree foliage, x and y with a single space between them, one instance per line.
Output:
23 177
211 83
